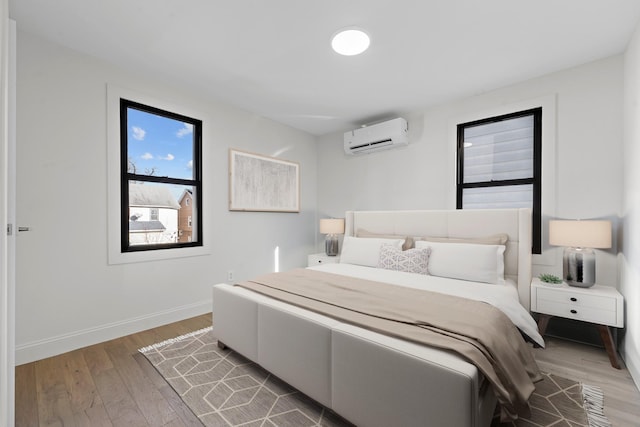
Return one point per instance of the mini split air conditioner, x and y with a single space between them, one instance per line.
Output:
377 137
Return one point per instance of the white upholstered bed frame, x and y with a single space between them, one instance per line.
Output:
368 378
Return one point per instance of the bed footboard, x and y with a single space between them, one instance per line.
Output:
425 386
368 378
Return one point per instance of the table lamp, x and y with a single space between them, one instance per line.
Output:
579 239
331 227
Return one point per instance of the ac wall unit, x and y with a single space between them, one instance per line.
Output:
377 137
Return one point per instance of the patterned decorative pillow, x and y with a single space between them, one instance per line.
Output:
410 261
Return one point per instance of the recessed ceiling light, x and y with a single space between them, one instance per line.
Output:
350 42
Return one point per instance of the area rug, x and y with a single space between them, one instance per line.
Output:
223 388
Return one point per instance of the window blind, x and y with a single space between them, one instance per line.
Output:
499 151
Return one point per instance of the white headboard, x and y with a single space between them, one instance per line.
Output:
516 223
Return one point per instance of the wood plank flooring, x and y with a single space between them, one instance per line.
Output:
590 365
107 384
110 384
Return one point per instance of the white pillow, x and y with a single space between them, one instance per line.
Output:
365 250
466 261
410 261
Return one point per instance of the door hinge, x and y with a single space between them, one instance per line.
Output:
9 229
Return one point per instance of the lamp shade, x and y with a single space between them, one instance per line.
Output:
580 234
332 226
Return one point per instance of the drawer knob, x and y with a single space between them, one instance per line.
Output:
574 299
574 312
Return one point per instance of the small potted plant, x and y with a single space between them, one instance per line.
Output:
550 278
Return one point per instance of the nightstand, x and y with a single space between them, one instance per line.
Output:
602 306
322 258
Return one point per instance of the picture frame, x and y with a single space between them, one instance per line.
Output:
260 183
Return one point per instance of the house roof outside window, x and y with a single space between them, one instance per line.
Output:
152 196
147 226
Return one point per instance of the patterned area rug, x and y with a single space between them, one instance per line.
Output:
558 401
223 388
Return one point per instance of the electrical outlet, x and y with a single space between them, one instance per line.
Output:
230 275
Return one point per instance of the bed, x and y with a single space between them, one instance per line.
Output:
369 377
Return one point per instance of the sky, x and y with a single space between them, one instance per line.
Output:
161 143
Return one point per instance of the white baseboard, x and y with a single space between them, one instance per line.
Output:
36 350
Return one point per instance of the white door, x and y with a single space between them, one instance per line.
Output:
7 213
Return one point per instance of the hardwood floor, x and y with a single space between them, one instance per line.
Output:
110 384
591 365
103 385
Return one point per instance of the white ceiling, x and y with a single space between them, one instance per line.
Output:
273 58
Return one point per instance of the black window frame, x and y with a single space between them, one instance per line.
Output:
126 177
536 180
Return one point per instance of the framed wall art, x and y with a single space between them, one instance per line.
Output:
263 184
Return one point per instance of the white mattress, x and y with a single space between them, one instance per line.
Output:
503 297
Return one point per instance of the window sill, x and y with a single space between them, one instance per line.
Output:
117 257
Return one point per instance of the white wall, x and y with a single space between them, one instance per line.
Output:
630 248
585 182
67 294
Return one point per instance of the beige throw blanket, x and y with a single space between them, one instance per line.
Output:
477 331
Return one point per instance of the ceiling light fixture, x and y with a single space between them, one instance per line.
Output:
349 42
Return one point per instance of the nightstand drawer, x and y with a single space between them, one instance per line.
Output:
577 312
321 258
577 299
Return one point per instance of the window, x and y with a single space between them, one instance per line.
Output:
500 165
160 160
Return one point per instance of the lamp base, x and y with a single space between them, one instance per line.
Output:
580 284
579 267
331 245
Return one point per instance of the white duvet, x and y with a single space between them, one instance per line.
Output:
503 297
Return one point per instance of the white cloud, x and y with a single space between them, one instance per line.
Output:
190 164
169 157
186 130
138 133
147 156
